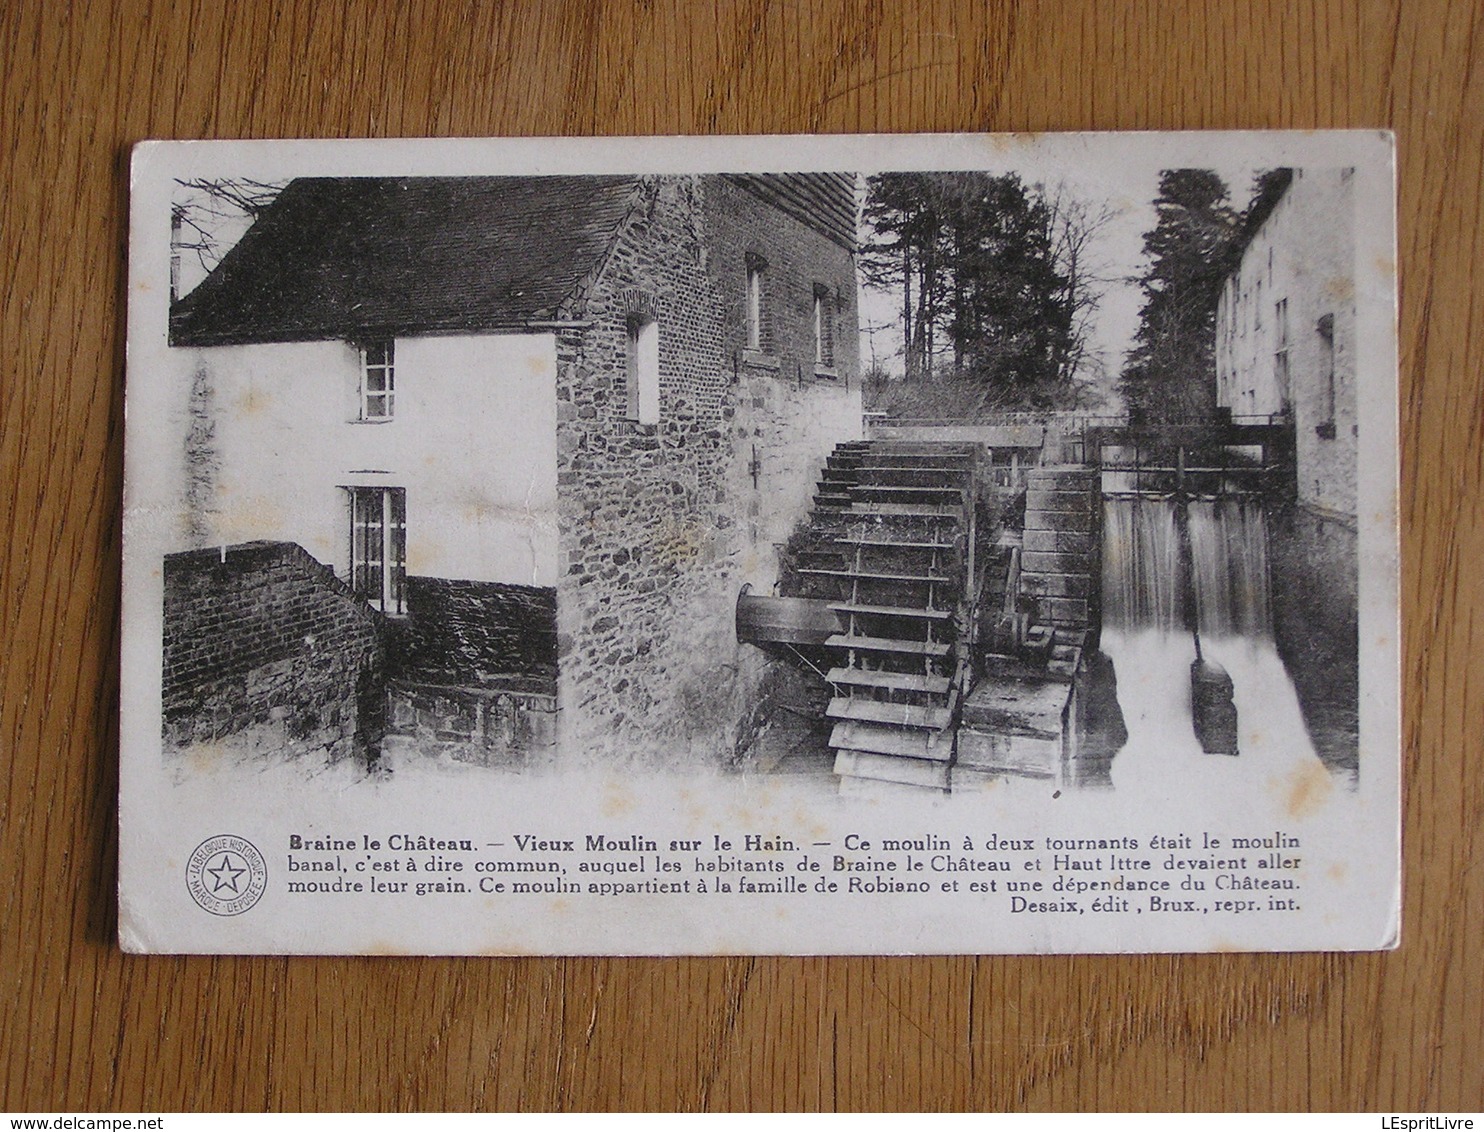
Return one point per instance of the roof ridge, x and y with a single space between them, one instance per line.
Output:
341 257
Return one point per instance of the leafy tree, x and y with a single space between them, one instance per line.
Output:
903 213
1171 371
991 270
1011 320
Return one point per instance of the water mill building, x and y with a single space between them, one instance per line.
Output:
480 465
1286 346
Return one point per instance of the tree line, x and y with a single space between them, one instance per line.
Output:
1196 242
998 285
995 280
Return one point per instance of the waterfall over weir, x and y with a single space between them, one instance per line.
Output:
1152 597
1145 582
1229 568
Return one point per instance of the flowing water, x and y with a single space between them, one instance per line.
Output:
1143 585
1229 568
1146 635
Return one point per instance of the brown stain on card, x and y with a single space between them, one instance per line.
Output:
383 948
617 801
253 402
205 757
1308 789
1340 288
422 558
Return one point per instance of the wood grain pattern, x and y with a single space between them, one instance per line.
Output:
84 1027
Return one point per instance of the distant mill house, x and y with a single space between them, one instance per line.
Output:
477 467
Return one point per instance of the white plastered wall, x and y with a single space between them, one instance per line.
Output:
1303 253
268 438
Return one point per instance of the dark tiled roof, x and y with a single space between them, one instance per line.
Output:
342 257
823 201
1271 187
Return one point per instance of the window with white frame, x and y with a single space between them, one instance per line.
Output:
378 380
378 546
642 373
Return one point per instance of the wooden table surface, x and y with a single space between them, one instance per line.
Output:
83 1027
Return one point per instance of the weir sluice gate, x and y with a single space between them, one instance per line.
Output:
979 610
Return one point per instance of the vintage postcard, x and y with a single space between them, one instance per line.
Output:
941 544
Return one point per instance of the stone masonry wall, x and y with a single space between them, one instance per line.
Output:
508 728
473 671
663 523
266 648
479 634
1315 611
790 412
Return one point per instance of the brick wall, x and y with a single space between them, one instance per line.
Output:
267 648
662 524
790 413
799 261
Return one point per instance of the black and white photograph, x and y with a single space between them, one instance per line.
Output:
793 545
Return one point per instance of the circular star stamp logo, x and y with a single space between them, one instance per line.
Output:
226 875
